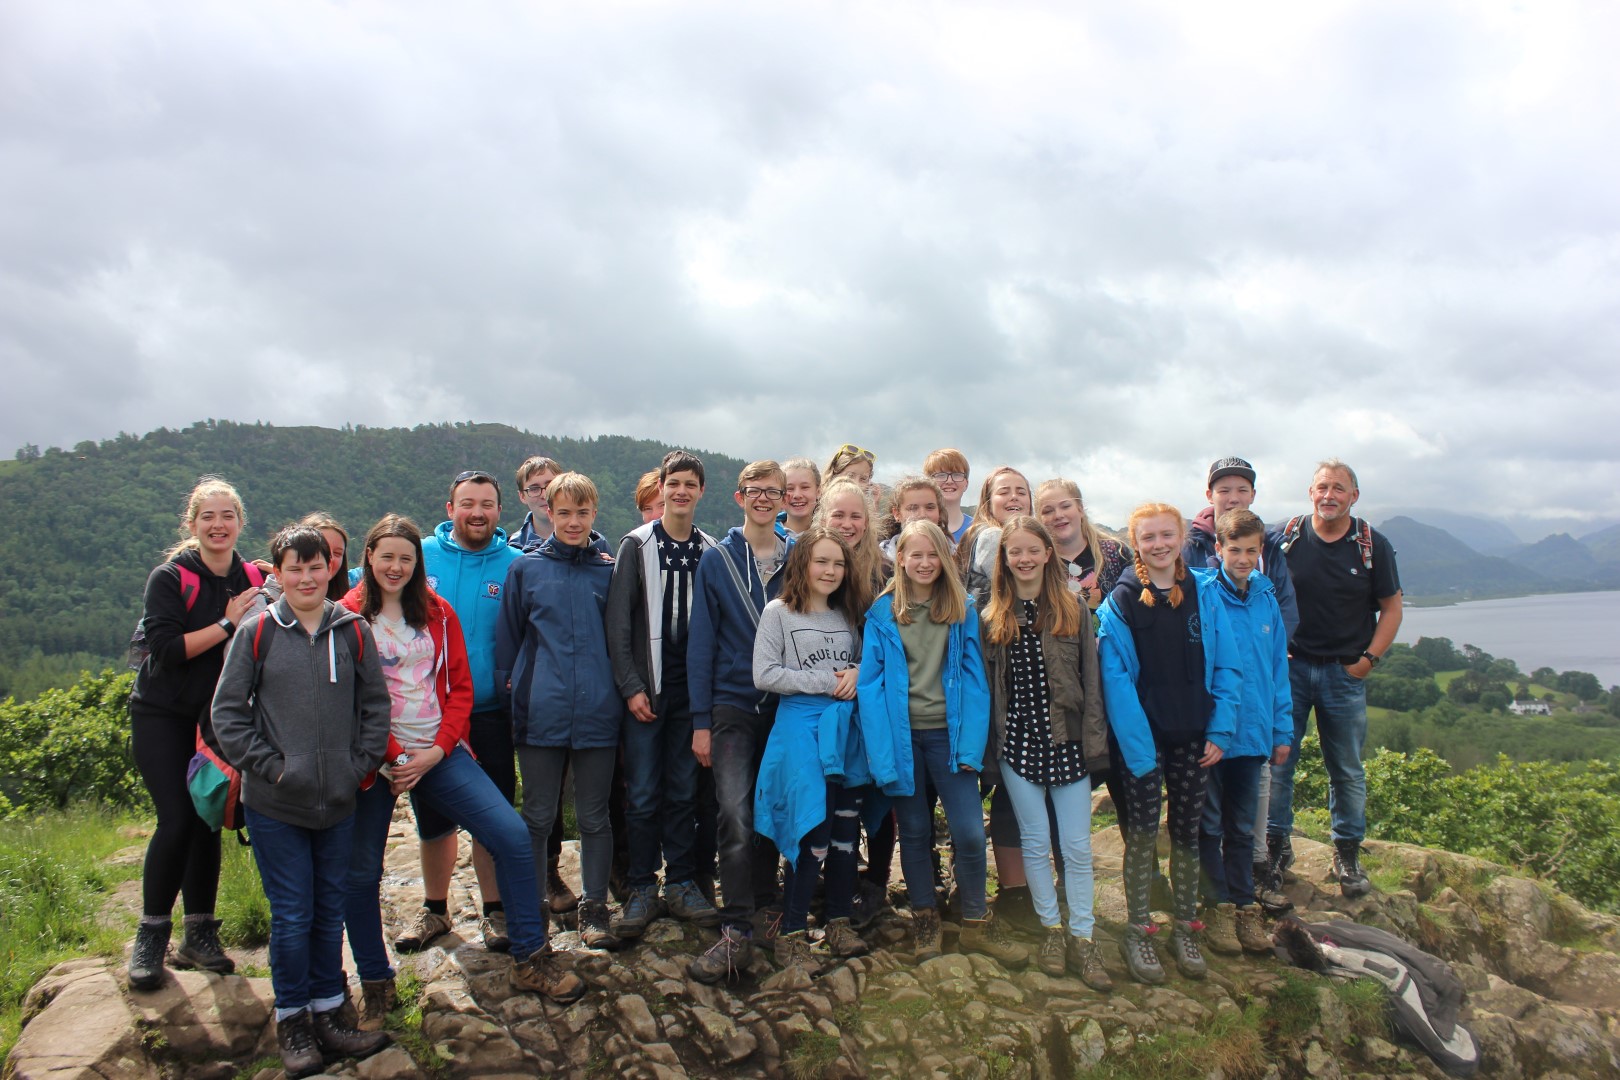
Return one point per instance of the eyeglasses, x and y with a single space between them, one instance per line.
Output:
534 490
770 494
849 451
949 478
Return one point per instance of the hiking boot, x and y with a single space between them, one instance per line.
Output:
559 897
1054 951
686 901
1347 868
768 924
295 1038
1279 857
1085 960
337 1039
594 928
1251 929
1140 959
726 960
638 912
544 973
1272 899
870 901
1016 908
793 950
925 933
1184 947
989 936
842 940
378 998
1222 929
427 926
146 958
492 928
200 948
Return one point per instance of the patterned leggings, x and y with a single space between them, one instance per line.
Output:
1183 779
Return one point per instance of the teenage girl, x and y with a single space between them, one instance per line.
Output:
913 497
1005 492
424 660
193 603
813 774
799 495
1092 562
1047 733
853 462
925 710
649 497
1172 687
846 509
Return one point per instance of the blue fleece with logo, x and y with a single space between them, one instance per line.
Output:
472 581
720 637
1266 716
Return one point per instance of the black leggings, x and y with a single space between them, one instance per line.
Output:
183 855
1183 780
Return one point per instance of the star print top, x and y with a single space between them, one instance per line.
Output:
1028 748
677 562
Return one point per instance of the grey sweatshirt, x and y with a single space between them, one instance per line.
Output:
798 654
307 721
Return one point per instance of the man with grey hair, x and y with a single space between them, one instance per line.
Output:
1349 596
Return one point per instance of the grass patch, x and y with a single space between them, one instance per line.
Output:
405 1024
254 1068
1385 870
54 879
1365 1003
1230 1046
1293 1009
812 1055
243 911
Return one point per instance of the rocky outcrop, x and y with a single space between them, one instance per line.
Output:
1543 976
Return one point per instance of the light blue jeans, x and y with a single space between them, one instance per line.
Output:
1073 805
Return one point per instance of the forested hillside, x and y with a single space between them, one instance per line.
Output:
84 527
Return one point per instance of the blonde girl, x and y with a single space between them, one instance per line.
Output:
800 493
1172 687
1005 492
1092 562
846 509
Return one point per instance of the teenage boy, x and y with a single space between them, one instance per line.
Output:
301 710
533 477
1265 729
466 559
648 620
731 718
1349 613
949 469
1231 486
551 649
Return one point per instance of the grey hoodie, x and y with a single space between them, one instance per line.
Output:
305 723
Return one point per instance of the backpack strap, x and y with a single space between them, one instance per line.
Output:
190 585
359 644
742 589
1363 532
1290 533
254 574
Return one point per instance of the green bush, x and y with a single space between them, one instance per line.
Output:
68 747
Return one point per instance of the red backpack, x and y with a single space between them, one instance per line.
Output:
190 587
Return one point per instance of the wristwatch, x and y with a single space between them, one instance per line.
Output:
227 626
1372 657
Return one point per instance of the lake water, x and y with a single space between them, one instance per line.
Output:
1564 631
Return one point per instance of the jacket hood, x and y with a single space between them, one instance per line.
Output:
1204 521
333 617
595 551
445 534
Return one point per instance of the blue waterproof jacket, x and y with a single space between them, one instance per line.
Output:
472 581
720 636
552 644
884 697
1121 668
1199 551
815 739
1266 716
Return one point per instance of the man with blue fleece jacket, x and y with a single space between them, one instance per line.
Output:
1265 729
731 718
466 560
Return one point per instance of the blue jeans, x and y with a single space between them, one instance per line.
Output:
1340 701
460 792
1072 802
660 780
1226 834
304 872
964 813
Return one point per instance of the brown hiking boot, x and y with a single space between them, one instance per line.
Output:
559 897
595 928
338 1040
1251 929
1220 928
492 928
295 1038
989 936
543 972
378 998
423 929
925 933
200 948
1085 961
842 940
726 960
1054 950
793 950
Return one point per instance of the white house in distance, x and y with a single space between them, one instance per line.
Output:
1530 708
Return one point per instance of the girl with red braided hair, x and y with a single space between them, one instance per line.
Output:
1172 687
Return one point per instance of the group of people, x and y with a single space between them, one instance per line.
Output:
743 716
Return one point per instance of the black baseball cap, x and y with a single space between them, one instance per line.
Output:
1230 466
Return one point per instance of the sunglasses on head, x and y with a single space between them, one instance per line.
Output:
849 451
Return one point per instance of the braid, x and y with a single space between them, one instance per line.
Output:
1147 590
1175 590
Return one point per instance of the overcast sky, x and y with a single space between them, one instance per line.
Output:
1108 241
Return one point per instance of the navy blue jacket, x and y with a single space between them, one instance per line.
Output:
551 647
720 638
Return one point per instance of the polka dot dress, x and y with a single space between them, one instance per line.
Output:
1029 748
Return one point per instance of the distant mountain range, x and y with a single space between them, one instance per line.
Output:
1436 565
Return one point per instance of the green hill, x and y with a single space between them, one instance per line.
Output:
87 525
